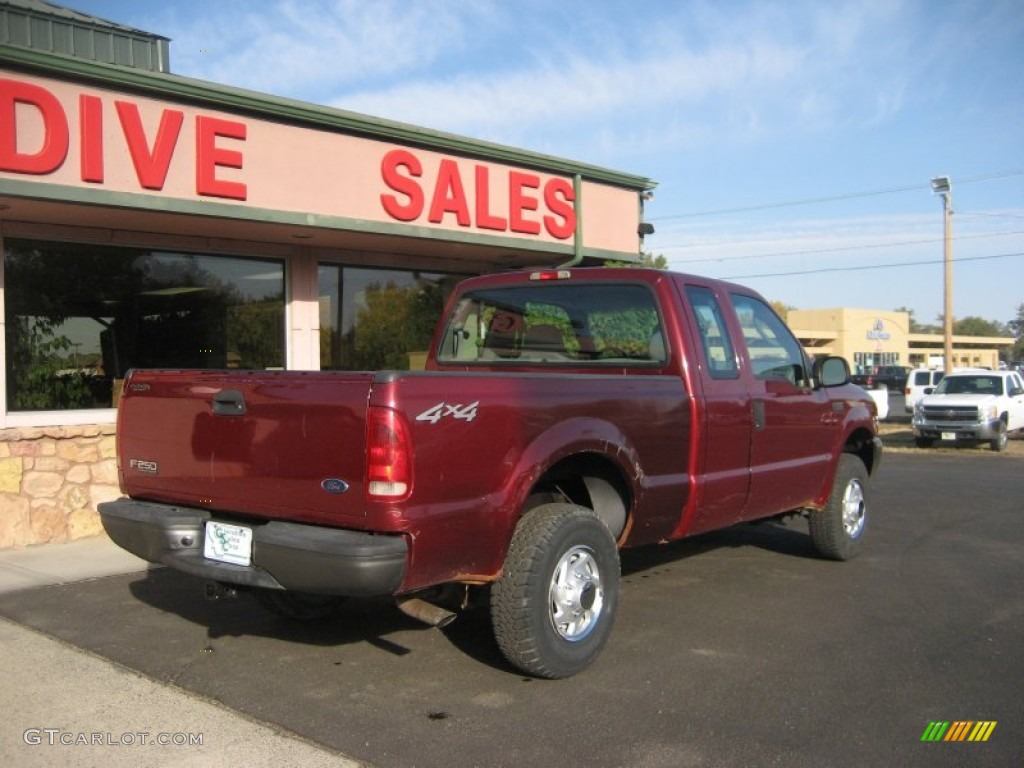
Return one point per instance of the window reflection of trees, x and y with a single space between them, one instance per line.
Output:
378 319
79 316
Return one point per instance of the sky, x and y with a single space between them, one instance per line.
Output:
793 143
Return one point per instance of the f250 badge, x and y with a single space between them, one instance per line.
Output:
456 410
142 465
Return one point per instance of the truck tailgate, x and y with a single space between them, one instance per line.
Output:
269 443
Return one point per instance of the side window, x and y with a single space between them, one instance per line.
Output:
775 354
714 336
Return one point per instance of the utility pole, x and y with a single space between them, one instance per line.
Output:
941 185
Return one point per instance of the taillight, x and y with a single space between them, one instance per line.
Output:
388 454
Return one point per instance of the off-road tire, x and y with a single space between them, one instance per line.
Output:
553 607
838 530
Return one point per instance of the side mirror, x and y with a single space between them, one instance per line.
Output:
929 390
831 371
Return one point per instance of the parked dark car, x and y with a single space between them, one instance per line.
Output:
888 376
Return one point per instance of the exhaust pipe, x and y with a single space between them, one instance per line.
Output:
428 613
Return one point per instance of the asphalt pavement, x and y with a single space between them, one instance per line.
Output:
66 706
739 647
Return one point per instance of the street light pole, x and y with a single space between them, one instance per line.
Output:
941 185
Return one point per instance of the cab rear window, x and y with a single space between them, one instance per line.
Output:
555 324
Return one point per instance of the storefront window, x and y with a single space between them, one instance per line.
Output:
376 319
867 362
79 316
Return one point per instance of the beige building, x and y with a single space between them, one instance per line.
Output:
871 337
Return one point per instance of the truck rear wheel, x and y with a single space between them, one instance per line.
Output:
554 605
837 530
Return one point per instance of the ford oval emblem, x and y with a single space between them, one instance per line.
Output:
334 485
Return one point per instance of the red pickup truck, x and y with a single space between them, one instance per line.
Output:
563 415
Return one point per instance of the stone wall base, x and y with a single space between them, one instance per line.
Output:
51 479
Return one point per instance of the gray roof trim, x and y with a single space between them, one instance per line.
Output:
43 8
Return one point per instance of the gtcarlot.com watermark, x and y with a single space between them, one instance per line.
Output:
53 737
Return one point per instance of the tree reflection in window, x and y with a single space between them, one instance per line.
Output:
79 316
377 319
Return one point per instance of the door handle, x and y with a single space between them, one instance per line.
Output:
229 402
758 412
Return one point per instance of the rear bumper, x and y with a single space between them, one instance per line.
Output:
302 558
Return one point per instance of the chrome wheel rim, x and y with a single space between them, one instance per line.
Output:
576 594
853 509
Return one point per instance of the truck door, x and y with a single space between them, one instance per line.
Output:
793 424
1015 388
724 429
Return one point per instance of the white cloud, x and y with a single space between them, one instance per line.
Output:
305 48
571 80
580 88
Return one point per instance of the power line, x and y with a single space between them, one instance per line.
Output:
831 198
839 249
930 262
992 215
753 240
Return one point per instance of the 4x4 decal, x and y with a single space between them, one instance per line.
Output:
456 410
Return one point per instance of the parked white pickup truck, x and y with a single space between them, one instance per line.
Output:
971 406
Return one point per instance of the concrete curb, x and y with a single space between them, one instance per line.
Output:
66 706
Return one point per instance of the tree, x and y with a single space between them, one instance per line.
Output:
646 260
1016 327
782 308
915 326
658 262
977 326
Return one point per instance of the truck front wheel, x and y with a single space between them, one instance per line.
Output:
1001 440
837 530
554 605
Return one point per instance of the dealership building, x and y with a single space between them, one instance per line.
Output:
152 220
871 337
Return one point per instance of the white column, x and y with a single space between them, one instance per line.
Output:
303 315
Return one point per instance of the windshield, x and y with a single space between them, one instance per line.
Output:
556 324
970 385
